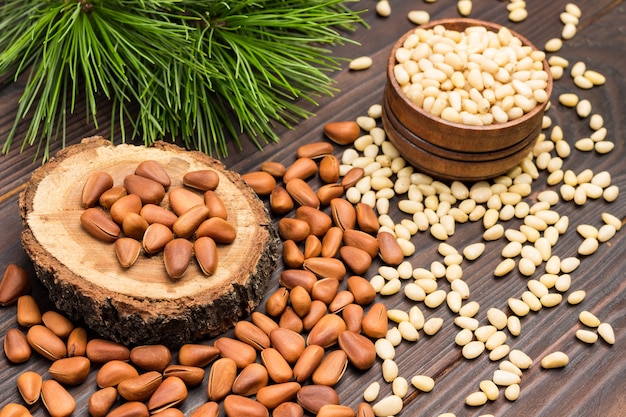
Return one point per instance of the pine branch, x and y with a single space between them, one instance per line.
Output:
202 72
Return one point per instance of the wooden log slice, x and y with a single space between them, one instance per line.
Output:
142 304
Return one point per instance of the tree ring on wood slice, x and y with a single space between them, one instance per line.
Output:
141 304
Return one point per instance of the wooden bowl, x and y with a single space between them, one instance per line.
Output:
453 150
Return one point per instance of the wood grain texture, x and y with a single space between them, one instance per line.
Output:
594 381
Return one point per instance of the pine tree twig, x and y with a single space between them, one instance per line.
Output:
203 72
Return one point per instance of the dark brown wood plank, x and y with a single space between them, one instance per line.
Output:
591 385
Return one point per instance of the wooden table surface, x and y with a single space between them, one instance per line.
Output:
594 382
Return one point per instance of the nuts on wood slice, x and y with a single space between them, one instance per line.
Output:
141 304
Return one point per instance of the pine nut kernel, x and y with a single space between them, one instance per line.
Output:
476 399
553 45
605 330
589 319
505 378
419 17
568 99
490 389
360 63
586 336
576 297
383 8
423 383
520 359
433 325
554 360
473 349
512 392
371 392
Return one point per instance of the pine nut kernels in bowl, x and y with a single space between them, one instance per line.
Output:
465 98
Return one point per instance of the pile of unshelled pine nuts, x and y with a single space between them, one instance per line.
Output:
130 216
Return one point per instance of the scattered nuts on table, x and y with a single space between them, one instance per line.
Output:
318 322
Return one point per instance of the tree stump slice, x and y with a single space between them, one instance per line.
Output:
142 304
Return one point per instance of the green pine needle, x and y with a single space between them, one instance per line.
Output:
202 72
